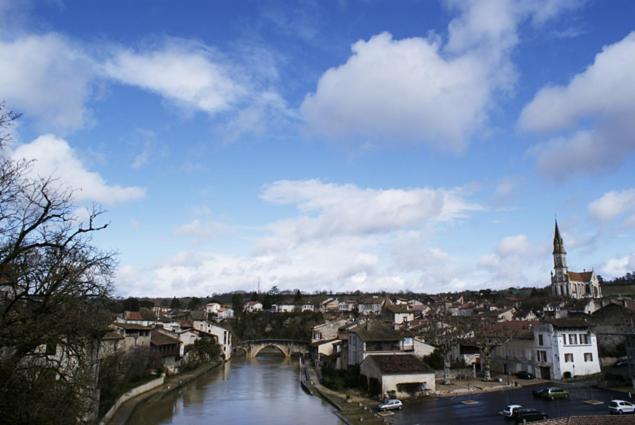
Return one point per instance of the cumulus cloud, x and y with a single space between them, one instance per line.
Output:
53 157
594 114
47 77
343 237
188 73
612 205
421 90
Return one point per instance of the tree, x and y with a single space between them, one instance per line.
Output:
131 304
175 304
53 285
298 296
443 332
194 303
237 303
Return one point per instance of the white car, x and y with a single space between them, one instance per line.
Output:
509 410
392 404
620 406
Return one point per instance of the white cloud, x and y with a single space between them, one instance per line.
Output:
188 73
48 78
343 238
330 209
400 90
612 205
594 112
516 261
617 267
420 90
53 157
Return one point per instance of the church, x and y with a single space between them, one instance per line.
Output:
568 284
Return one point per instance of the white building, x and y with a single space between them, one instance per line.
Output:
283 308
212 307
252 306
565 348
223 336
400 376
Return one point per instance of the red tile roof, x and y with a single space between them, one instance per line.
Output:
580 277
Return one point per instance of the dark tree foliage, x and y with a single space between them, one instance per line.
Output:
627 279
271 325
53 283
237 303
194 303
175 303
131 304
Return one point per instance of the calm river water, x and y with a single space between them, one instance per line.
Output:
263 391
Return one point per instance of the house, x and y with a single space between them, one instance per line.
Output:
565 348
212 307
516 354
398 314
372 338
525 315
347 306
306 307
144 318
401 376
466 354
252 306
505 315
329 305
370 306
222 335
421 348
135 336
328 330
167 347
286 307
187 338
111 343
225 312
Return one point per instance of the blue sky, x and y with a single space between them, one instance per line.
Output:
338 145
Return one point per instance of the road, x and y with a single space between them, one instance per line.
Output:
452 411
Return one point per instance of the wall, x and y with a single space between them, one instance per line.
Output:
130 394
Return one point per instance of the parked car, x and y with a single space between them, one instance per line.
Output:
527 414
620 407
525 375
391 404
510 409
551 393
621 363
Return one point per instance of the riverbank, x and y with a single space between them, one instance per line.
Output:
351 409
170 384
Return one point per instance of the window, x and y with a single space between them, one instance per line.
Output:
540 342
584 339
568 358
542 356
573 339
588 357
564 339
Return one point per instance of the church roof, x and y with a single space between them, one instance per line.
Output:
580 277
558 244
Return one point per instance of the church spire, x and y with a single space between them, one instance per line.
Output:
558 243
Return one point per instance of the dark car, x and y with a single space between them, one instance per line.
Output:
525 375
552 393
527 414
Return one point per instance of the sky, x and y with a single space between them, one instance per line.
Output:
369 145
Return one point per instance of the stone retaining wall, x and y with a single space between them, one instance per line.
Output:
130 394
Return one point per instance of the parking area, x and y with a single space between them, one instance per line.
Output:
459 410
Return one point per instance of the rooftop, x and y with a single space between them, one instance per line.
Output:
399 364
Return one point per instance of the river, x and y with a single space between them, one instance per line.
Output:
262 391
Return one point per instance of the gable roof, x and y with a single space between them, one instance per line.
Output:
159 338
376 332
580 276
399 364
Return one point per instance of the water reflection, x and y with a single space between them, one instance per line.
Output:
263 391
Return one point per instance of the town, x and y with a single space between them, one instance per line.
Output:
576 333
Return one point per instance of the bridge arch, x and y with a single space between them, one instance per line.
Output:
281 348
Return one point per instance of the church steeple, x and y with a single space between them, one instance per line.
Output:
559 254
558 244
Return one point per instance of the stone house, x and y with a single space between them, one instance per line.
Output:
372 338
402 376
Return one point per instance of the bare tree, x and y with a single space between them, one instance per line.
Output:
52 279
444 331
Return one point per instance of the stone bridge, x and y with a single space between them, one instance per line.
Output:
287 347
